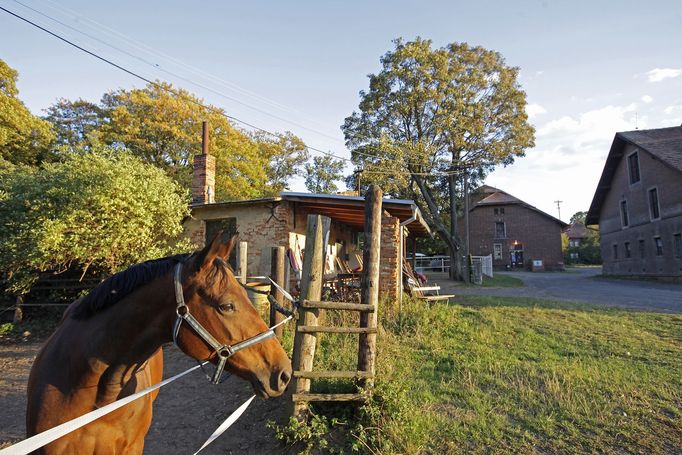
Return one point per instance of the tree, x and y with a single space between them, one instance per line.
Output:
162 125
100 210
24 138
321 174
434 117
578 217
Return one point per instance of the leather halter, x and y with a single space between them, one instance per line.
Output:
223 351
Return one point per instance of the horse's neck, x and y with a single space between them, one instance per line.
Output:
126 335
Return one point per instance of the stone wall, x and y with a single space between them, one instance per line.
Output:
389 259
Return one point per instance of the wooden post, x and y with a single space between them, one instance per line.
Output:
277 274
18 312
369 286
311 289
242 262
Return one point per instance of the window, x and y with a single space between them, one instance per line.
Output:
642 249
654 209
497 251
615 251
677 240
633 165
500 230
499 210
628 253
624 219
659 246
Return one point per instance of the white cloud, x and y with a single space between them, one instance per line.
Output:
659 74
672 109
647 99
567 160
534 109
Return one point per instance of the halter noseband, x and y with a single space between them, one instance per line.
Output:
223 351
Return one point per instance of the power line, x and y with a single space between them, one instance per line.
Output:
179 94
190 81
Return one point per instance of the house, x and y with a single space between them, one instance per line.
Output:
513 231
577 234
282 221
638 204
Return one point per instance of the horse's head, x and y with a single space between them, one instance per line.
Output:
220 304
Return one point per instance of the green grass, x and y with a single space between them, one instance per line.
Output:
509 375
502 281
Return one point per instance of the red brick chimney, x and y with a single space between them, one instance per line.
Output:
203 177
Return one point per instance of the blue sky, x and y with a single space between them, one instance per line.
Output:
589 69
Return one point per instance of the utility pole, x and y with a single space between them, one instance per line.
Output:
558 207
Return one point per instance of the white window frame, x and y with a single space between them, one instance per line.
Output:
497 248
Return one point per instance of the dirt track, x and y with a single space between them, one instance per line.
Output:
185 413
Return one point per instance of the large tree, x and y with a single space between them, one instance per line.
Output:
24 138
162 125
433 117
101 210
322 173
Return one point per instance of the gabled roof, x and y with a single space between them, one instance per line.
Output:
576 230
496 196
663 144
349 210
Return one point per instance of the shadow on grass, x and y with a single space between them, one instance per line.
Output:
528 302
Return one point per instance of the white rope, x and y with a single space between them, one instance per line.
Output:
232 418
35 442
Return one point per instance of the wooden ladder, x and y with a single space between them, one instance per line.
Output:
307 327
366 327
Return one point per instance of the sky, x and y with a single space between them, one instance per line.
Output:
589 68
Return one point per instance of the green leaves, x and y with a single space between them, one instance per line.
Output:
24 138
102 209
321 174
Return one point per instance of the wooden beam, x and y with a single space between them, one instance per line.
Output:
243 262
301 397
369 292
337 306
326 329
332 374
277 275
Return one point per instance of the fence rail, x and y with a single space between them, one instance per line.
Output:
438 263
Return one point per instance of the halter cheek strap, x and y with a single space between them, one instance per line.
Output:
223 351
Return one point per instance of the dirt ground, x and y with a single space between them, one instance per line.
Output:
186 411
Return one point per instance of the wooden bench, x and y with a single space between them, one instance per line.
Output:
429 293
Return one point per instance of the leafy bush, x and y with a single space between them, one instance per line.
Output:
102 210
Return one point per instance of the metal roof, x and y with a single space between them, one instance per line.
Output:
349 210
499 197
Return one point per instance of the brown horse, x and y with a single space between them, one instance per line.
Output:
108 346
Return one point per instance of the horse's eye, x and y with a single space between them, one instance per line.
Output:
226 307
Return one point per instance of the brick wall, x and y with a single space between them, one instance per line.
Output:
539 235
389 260
203 179
641 228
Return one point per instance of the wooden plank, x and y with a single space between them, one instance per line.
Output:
332 374
325 329
243 261
311 289
277 274
303 397
337 306
426 288
437 297
369 293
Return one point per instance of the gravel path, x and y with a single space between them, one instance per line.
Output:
581 285
186 412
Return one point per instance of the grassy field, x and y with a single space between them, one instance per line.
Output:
501 375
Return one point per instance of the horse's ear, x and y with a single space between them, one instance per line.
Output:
220 247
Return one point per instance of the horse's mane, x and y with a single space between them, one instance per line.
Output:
118 286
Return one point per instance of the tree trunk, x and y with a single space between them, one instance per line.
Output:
455 260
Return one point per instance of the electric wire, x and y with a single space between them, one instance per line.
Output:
196 102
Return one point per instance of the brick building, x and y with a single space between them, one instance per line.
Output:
514 232
282 221
638 204
577 234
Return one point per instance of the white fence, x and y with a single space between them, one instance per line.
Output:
431 263
486 264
